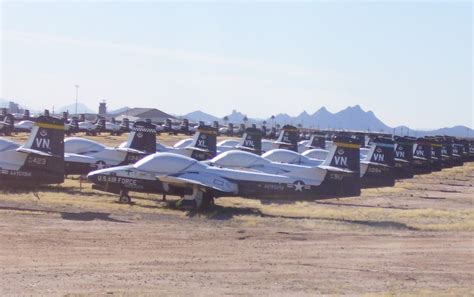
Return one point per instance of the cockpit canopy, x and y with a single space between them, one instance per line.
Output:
283 156
77 145
26 124
236 158
229 142
168 163
183 143
318 154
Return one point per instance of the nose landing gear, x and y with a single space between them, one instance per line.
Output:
124 198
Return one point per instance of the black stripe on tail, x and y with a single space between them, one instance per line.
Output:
143 137
288 138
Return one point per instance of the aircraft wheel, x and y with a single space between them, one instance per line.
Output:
125 198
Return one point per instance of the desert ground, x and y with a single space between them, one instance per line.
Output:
412 239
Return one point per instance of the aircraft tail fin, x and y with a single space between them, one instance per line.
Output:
446 147
74 123
8 121
125 124
382 151
230 129
422 149
185 125
288 138
344 154
45 149
251 141
436 148
142 137
47 136
458 148
204 145
404 148
317 141
168 125
100 124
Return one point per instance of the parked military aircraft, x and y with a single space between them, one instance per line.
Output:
71 126
24 126
376 164
7 122
84 155
39 161
115 128
92 128
199 184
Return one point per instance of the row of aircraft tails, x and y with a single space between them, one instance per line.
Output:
199 169
15 123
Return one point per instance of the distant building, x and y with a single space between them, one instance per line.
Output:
13 107
133 114
103 108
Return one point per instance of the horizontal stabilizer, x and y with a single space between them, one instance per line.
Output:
32 151
193 148
129 150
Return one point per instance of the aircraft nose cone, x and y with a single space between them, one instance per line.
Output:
93 177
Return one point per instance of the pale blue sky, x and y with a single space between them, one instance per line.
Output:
410 63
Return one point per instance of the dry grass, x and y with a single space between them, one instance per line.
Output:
396 207
70 196
404 206
419 219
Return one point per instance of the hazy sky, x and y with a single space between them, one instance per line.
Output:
410 63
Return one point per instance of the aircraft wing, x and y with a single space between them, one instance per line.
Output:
191 180
238 146
333 168
282 143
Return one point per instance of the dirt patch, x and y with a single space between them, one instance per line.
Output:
412 239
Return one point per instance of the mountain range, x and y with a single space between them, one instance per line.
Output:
350 118
353 118
81 108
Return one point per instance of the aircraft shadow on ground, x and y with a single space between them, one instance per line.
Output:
72 216
51 189
228 212
90 216
75 191
362 205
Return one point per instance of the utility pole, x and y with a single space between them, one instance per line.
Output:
77 96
